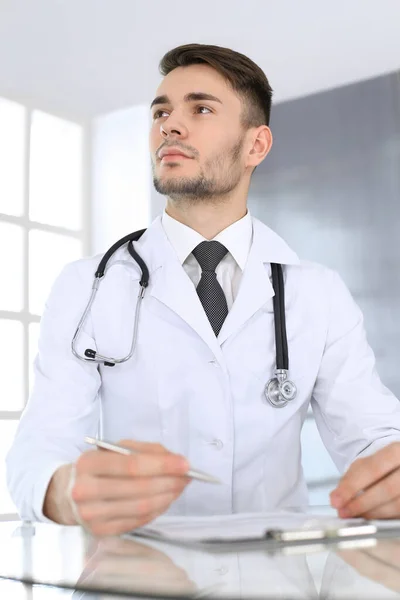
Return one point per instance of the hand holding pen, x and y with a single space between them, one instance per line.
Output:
127 485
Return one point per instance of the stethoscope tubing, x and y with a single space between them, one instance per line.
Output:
282 353
281 344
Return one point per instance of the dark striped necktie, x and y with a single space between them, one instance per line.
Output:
209 255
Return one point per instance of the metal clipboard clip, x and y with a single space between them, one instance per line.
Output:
322 535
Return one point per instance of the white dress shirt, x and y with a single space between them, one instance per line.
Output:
237 238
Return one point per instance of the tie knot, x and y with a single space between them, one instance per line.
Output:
209 254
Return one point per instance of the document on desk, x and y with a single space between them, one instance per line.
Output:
279 526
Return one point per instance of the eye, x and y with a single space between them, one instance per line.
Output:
158 113
203 107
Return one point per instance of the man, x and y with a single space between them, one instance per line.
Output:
193 392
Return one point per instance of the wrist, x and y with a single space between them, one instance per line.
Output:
57 503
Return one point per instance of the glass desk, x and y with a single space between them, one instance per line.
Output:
43 562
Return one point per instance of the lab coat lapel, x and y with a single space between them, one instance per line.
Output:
256 288
171 285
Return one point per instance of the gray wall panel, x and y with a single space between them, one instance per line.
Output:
331 188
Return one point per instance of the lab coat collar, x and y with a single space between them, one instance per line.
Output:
267 245
256 288
270 247
171 286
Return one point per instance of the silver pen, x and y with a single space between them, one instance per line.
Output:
192 473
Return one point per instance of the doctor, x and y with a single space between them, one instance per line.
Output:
193 394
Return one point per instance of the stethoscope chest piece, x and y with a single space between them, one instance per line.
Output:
280 390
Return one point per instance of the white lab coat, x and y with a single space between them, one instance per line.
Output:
200 396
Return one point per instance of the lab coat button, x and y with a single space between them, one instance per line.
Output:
219 444
213 363
223 570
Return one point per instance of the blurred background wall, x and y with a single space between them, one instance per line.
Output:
331 189
76 81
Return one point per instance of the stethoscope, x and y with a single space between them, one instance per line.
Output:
278 391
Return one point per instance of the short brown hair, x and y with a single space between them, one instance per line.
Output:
244 76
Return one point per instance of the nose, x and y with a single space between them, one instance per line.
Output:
171 127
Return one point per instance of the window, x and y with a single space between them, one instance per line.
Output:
41 208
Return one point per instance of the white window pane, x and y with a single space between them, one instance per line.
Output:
13 590
12 365
7 433
11 267
12 157
316 461
33 348
48 253
55 176
319 496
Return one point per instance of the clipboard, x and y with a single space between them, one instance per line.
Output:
273 535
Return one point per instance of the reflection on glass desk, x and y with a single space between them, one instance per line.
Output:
55 562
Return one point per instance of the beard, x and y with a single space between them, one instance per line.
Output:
219 176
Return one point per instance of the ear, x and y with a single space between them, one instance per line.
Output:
261 143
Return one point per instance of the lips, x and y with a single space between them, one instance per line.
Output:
172 153
174 157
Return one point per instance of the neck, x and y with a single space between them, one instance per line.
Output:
207 219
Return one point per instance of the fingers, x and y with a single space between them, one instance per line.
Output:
380 499
113 492
119 525
89 488
146 447
390 510
115 526
364 472
142 464
116 517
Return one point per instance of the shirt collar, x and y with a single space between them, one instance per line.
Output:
237 238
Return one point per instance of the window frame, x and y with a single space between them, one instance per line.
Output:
84 235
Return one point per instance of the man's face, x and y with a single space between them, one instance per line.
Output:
201 116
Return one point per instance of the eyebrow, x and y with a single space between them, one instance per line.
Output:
192 97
